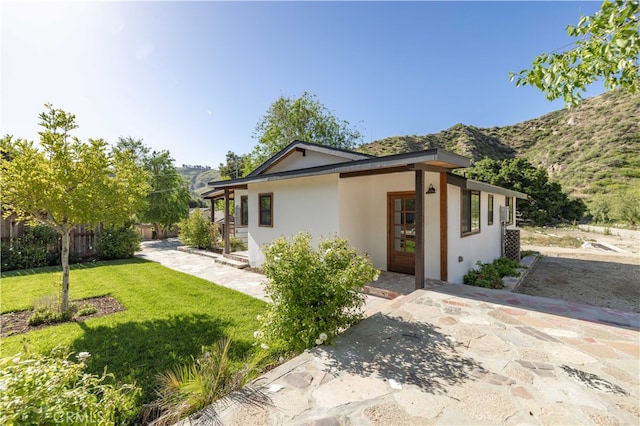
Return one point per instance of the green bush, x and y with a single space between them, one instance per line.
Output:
198 232
315 293
236 243
32 250
117 243
489 275
52 389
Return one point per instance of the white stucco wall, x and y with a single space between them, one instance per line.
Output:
296 160
484 246
363 215
309 204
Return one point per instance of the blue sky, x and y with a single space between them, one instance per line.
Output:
195 77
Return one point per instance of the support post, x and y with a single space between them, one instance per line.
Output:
419 253
227 245
444 226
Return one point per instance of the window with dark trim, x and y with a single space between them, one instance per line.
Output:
509 202
470 212
265 207
490 210
244 210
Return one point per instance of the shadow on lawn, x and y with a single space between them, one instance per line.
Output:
138 351
74 267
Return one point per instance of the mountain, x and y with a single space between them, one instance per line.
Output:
591 148
198 177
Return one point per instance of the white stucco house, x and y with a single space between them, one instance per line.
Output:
408 212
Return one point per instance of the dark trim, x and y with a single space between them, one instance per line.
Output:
475 185
244 209
471 192
491 206
444 228
270 195
419 237
437 155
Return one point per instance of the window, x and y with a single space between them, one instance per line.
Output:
265 206
509 201
244 210
490 210
470 212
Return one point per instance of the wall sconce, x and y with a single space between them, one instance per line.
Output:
431 189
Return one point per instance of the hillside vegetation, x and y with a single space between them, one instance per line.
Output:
592 148
198 177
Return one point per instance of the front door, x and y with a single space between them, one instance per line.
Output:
401 232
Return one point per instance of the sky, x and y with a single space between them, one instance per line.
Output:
195 78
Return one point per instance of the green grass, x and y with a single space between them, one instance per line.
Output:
169 316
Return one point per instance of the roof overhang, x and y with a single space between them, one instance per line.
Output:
475 185
431 160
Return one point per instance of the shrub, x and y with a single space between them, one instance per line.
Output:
489 275
315 293
32 250
197 231
52 389
117 243
191 387
236 243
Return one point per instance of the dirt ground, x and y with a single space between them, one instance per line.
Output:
604 271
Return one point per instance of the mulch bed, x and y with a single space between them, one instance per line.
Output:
17 322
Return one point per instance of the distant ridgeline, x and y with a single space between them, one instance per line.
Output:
187 166
590 149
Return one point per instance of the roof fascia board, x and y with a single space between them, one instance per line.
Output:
374 163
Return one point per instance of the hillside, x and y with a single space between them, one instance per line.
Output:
592 148
198 178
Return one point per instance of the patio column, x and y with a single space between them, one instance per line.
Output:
227 246
213 210
419 254
444 226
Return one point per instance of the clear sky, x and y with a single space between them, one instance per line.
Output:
195 77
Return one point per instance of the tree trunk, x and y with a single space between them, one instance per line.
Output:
159 232
66 238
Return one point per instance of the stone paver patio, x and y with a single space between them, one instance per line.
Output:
454 354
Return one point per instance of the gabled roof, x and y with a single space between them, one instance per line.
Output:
435 159
301 146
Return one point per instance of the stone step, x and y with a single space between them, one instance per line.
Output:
231 262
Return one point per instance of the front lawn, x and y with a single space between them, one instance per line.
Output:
168 317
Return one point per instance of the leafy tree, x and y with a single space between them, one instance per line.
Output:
304 118
66 183
546 204
168 197
607 48
234 166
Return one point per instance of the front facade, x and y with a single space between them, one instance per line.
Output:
407 211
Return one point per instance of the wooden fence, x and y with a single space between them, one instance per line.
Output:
82 244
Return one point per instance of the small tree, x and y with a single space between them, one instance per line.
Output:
315 293
168 197
607 48
67 183
197 231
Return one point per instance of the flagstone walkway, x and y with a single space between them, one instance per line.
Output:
451 354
